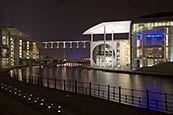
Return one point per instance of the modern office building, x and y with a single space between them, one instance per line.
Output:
110 53
151 40
16 48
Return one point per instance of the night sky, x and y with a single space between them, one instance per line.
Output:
46 20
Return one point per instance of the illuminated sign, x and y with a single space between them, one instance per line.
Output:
154 35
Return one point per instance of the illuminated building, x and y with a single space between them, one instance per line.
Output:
114 53
151 40
16 48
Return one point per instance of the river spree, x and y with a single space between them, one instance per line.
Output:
130 81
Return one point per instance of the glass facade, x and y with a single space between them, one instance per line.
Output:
151 43
98 55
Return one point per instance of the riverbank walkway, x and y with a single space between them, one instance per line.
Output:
71 103
162 69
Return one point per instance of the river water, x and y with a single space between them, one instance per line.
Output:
130 81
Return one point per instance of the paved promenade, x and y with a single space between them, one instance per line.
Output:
72 104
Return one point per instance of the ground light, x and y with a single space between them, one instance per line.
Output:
29 97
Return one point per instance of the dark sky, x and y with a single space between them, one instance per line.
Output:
46 20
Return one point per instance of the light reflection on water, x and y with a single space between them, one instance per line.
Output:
159 84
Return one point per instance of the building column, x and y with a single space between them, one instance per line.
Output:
45 45
143 51
77 42
51 45
57 44
70 44
91 57
84 45
64 45
112 50
104 46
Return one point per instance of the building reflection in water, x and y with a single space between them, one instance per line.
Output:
159 84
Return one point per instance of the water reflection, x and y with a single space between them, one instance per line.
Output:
159 84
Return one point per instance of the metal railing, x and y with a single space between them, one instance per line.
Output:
140 98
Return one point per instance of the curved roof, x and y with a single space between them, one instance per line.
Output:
115 27
158 15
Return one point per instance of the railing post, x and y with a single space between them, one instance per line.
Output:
35 80
98 89
157 104
64 86
132 96
75 86
55 83
41 81
108 92
47 82
90 88
148 100
38 81
113 93
31 79
119 94
166 100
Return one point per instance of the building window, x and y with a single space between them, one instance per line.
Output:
4 40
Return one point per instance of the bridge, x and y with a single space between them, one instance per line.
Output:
66 44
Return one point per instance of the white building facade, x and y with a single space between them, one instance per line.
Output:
114 53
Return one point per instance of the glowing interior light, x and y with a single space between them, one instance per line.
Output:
41 103
59 106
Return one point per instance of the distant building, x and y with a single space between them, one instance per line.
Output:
151 40
16 48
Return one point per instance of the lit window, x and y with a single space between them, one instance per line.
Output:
4 40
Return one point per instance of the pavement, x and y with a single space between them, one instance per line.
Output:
10 106
71 103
